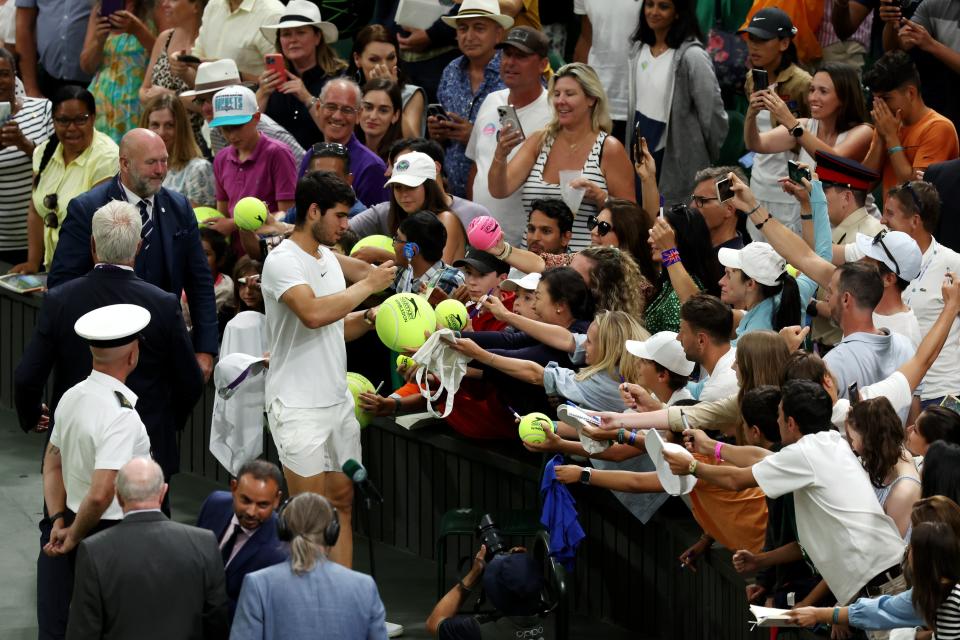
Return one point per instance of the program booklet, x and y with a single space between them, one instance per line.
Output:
771 617
24 283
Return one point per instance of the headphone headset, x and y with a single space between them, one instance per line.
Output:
410 249
330 533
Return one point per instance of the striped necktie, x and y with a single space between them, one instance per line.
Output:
147 225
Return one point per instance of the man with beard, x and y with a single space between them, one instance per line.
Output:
170 257
309 316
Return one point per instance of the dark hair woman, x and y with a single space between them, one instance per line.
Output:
379 124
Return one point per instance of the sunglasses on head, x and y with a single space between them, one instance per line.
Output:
603 228
878 240
330 148
906 186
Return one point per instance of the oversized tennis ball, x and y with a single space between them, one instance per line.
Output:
402 320
532 427
376 241
357 385
452 314
405 362
484 232
250 213
206 213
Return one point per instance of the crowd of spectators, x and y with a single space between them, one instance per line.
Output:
765 271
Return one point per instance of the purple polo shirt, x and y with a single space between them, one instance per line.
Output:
367 169
270 173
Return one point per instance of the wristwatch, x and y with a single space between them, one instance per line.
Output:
366 317
585 475
812 309
797 130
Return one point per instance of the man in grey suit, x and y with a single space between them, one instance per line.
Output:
148 577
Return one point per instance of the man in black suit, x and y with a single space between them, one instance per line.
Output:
945 176
245 523
171 257
148 577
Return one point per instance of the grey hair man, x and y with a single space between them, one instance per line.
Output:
123 572
115 233
721 217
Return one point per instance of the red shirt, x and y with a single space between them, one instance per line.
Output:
485 320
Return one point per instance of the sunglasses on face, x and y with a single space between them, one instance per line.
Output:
603 228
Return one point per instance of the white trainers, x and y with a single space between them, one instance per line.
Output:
394 630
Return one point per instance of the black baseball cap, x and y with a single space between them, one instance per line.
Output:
513 583
483 262
528 40
770 23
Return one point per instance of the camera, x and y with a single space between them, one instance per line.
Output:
489 534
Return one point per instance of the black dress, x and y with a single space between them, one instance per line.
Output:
293 115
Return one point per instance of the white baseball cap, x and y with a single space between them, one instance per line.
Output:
213 76
233 106
413 169
112 326
664 349
896 249
758 260
520 280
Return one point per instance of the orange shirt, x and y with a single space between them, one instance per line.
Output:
735 519
931 139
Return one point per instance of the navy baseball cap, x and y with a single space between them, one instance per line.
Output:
770 23
513 583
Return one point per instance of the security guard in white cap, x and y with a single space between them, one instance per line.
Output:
96 432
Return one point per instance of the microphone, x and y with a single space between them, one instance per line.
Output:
358 474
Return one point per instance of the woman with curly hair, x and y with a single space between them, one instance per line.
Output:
875 433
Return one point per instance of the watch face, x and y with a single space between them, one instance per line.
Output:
585 476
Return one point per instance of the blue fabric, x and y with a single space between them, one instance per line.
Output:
457 96
60 30
560 516
598 392
760 318
885 612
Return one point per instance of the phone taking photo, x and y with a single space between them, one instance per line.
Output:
508 115
274 62
760 81
109 7
724 189
796 173
437 111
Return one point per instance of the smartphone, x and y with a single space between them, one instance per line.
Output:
760 81
796 172
951 402
274 62
508 115
109 7
4 112
853 393
187 58
436 110
724 189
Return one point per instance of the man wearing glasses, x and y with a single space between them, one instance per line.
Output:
336 114
721 217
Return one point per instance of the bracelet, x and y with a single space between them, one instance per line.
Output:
754 210
366 317
809 216
893 150
836 615
692 469
396 406
500 160
632 438
620 435
313 102
760 226
56 516
669 257
507 250
463 586
716 452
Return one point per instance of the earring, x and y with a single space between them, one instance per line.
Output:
558 310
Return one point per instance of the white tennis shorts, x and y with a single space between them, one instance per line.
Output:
316 439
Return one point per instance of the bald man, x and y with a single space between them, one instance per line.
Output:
171 256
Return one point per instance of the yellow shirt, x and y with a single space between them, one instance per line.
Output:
98 162
237 35
529 16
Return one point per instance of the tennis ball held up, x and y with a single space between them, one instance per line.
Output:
533 427
403 320
452 314
250 213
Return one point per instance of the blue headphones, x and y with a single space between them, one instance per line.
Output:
410 249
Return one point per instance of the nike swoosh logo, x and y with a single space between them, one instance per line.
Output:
323 274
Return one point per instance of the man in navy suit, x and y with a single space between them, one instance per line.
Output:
167 380
245 523
171 256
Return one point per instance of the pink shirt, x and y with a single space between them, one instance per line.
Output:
270 174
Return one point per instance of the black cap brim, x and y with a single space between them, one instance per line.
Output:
482 267
763 34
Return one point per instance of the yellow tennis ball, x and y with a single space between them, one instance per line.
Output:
357 385
250 213
206 213
452 314
376 241
402 321
792 270
405 362
533 426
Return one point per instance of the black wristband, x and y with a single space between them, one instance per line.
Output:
808 216
56 516
812 309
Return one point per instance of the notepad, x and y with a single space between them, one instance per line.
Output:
771 617
419 14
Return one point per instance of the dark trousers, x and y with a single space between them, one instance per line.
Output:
55 583
49 85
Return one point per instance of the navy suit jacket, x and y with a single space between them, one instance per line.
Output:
185 266
262 550
167 380
945 176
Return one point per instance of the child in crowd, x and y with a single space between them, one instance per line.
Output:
484 274
418 247
524 288
253 165
246 276
215 248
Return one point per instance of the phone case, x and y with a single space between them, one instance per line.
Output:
274 62
108 7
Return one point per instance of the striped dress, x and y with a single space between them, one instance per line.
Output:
948 616
35 120
535 188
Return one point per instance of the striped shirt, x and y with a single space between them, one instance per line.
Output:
535 188
948 616
35 119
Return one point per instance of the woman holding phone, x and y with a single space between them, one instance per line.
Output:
292 81
116 49
674 96
159 78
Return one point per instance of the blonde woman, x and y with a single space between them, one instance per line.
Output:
281 602
597 385
577 138
189 172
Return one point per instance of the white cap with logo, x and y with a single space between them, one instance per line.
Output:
413 169
664 349
233 106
